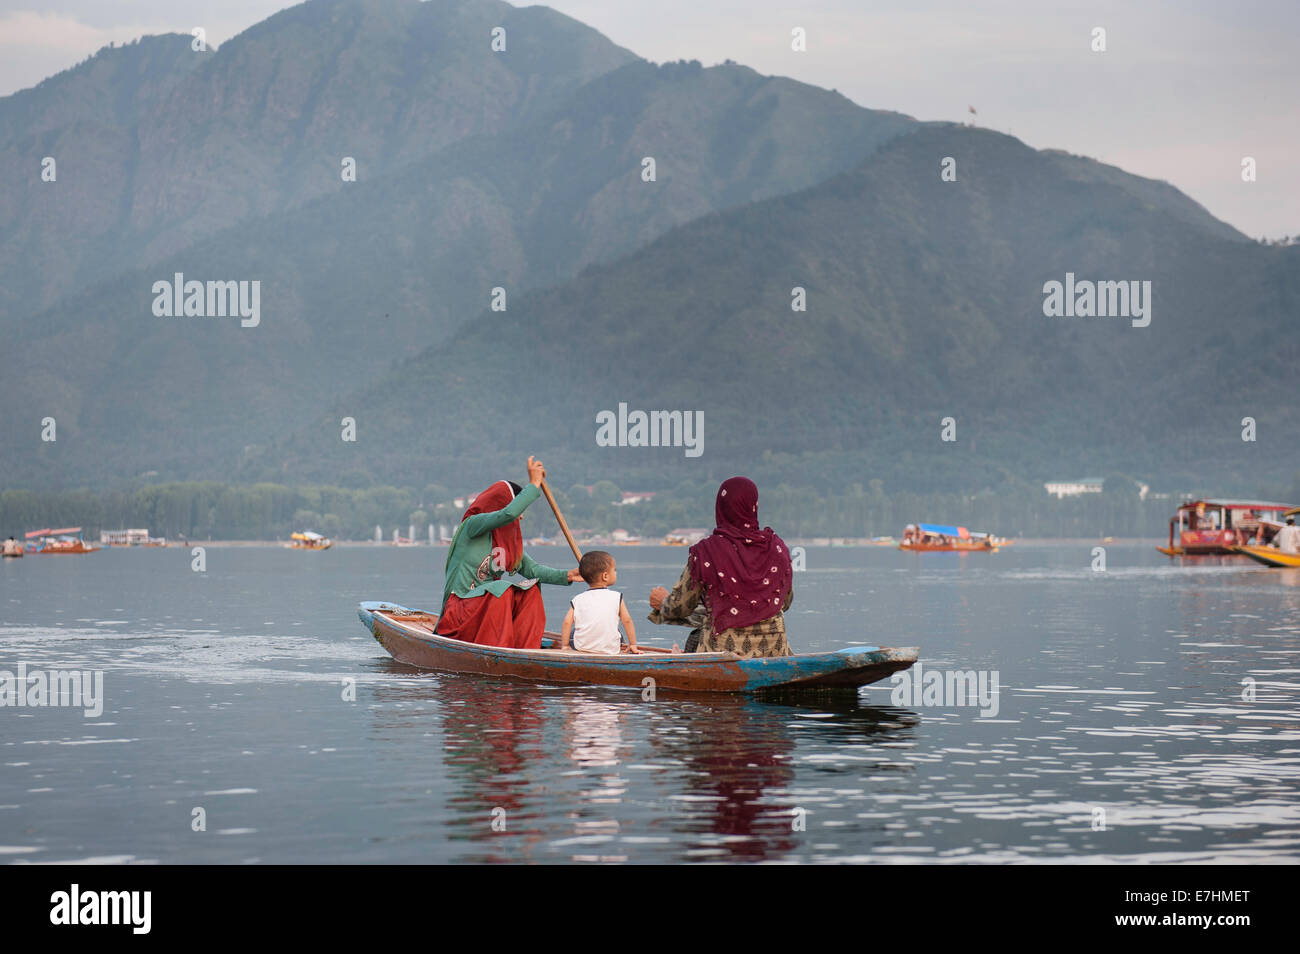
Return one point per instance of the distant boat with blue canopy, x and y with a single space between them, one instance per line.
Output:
948 537
62 540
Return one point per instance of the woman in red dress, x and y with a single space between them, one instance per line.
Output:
478 605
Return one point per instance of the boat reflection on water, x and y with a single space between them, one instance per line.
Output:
594 742
589 774
740 799
736 803
494 738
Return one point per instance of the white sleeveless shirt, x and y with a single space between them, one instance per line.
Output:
595 621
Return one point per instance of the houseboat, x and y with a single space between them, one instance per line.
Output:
65 540
1206 527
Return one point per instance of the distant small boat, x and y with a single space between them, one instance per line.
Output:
940 537
60 541
13 550
309 540
409 638
1270 556
684 536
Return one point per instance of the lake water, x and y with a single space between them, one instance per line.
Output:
1147 713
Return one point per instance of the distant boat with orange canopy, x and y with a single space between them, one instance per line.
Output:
59 541
947 538
309 540
1220 526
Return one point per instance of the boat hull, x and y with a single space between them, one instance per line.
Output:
948 548
1177 551
1200 551
408 637
1269 556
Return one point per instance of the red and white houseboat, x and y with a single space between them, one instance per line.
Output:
1204 527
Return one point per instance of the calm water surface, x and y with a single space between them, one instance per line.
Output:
1121 703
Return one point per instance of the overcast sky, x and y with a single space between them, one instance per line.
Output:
1183 92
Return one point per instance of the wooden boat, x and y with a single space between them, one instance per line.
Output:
1204 527
309 541
408 636
938 537
1270 556
60 541
12 550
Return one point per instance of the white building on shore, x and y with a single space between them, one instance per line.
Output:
1061 489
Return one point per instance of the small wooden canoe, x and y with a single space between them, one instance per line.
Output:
1269 556
408 636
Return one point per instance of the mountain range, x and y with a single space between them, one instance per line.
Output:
519 177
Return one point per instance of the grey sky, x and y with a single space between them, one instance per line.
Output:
1183 92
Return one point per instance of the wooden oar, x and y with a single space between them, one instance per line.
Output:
559 518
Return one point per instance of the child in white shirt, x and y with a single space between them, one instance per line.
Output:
594 614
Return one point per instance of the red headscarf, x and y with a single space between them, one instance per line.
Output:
508 538
744 571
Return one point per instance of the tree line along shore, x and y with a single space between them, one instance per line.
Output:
223 512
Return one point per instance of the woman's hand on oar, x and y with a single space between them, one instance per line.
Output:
574 575
536 472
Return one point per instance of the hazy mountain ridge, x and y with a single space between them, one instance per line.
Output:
918 289
925 301
117 80
354 281
259 126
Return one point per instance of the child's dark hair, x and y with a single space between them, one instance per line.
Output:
593 564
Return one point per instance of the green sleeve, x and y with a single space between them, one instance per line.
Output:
482 523
530 569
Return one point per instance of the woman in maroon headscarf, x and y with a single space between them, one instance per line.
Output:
742 576
478 605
